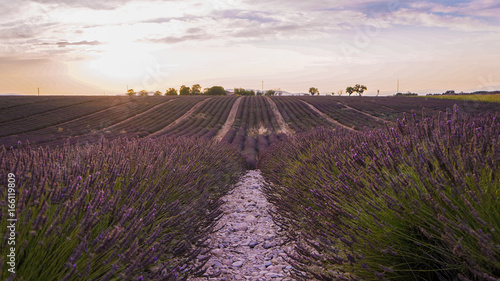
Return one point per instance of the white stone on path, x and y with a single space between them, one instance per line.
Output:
248 245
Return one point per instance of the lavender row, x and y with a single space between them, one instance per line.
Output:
417 201
117 210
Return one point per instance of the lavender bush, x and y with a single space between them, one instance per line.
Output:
417 201
120 210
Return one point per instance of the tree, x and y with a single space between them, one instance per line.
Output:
340 93
171 92
243 92
196 89
143 93
238 91
184 91
360 89
131 92
270 93
157 93
216 91
313 91
350 90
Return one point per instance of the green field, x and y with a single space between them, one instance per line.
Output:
487 98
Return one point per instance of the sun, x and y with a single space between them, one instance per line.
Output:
127 60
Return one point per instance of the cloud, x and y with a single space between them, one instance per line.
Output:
179 39
65 23
18 32
63 44
450 20
486 9
249 15
91 4
161 20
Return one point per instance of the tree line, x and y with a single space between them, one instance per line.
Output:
358 89
196 90
184 90
243 92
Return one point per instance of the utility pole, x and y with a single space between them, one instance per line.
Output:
38 91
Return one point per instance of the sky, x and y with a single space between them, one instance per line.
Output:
92 47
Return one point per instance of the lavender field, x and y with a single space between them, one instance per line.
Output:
368 188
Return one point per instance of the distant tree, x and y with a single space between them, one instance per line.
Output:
238 91
184 91
158 93
270 93
340 92
350 90
313 91
131 92
243 92
216 91
143 93
196 89
171 92
360 89
407 94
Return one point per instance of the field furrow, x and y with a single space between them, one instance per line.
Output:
229 122
283 126
326 117
178 120
56 116
39 107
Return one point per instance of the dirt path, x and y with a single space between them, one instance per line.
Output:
248 244
229 122
328 118
283 125
180 119
365 113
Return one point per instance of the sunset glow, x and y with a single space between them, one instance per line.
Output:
92 47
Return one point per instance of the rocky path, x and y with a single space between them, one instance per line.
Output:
248 245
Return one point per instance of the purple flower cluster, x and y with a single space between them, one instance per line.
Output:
128 210
419 200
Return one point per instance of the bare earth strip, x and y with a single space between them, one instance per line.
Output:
248 245
366 113
138 115
180 119
283 125
229 122
328 118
